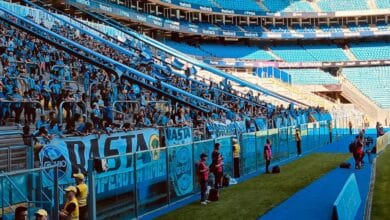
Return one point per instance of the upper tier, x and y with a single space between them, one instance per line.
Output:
259 7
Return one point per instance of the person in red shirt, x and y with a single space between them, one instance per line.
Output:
217 166
267 155
203 177
358 152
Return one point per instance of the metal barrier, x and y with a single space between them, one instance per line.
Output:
22 101
60 111
26 188
134 104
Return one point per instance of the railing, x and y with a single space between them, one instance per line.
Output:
26 188
175 177
24 101
75 103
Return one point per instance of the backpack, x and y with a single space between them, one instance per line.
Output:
352 147
276 169
226 180
345 165
213 195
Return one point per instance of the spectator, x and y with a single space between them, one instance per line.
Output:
203 177
82 195
21 213
217 166
350 127
236 158
71 207
41 214
298 139
358 151
330 126
267 155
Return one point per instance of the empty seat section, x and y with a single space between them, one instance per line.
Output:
326 53
342 5
371 51
249 5
311 77
236 51
374 82
187 49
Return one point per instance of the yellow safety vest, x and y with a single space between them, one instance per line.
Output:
75 214
236 150
82 195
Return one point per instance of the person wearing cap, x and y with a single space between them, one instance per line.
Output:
298 139
82 195
217 166
203 177
236 157
41 214
71 208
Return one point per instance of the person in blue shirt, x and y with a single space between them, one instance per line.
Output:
16 106
42 122
55 93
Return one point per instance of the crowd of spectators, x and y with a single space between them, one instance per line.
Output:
36 75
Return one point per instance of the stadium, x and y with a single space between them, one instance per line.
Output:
195 109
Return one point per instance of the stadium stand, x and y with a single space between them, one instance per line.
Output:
288 6
311 77
187 49
237 51
371 51
308 53
342 5
249 5
383 4
374 82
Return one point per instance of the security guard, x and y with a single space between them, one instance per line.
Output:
71 208
82 195
41 214
236 157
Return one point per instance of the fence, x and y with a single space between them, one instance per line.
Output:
131 185
158 177
27 188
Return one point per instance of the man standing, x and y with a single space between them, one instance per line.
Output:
267 155
236 156
71 208
299 141
217 166
203 177
82 195
358 151
41 214
350 127
21 213
330 131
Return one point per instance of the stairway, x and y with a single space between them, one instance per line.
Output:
372 4
349 53
314 5
299 94
269 51
262 6
13 152
362 102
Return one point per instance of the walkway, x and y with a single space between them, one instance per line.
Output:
316 200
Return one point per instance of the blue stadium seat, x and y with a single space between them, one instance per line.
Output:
249 5
372 81
237 51
371 51
311 77
187 49
309 53
342 5
383 4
